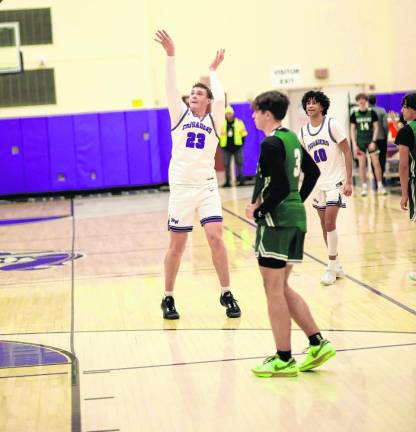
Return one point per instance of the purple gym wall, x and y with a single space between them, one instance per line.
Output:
12 177
104 150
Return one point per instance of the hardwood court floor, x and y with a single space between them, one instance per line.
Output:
137 372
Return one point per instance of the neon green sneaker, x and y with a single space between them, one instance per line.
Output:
317 355
274 367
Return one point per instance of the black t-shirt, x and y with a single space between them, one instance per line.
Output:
230 134
271 161
406 137
374 117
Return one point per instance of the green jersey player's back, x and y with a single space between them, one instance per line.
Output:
291 211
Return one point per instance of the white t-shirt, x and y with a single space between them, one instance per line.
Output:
322 144
194 139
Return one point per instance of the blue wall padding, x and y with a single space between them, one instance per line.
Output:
88 151
391 101
36 154
154 148
164 142
251 147
12 178
131 148
138 144
62 153
114 149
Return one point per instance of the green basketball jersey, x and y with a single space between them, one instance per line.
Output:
291 211
412 151
364 126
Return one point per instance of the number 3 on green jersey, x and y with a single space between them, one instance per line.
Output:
296 169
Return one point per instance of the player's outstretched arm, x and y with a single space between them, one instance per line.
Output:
219 58
404 175
175 103
311 174
218 105
162 37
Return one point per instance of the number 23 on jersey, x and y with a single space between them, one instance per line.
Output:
194 140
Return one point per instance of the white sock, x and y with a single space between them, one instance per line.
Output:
225 289
332 239
379 185
332 265
168 293
364 186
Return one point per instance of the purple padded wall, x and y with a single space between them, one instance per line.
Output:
12 179
62 153
251 147
114 149
92 151
390 101
36 154
139 149
154 147
164 143
87 150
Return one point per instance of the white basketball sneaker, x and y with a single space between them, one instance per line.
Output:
412 276
363 192
339 272
329 277
382 191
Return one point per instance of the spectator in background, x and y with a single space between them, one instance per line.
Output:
232 139
398 124
383 130
364 131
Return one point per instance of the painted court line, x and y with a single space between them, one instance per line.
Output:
89 372
351 278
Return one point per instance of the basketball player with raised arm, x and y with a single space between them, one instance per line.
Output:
326 142
278 209
192 177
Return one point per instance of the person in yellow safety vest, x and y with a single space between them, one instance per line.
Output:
232 138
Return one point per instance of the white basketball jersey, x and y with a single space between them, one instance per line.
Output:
322 144
194 143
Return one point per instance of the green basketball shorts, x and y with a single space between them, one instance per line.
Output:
280 243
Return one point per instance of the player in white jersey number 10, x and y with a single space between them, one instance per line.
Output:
192 178
327 143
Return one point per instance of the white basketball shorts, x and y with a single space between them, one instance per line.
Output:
333 197
184 200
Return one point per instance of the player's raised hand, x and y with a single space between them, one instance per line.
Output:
166 41
218 59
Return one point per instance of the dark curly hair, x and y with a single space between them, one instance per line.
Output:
409 101
273 101
318 97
